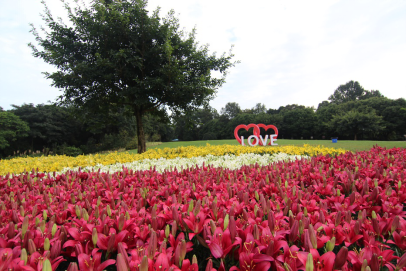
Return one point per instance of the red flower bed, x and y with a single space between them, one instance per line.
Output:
326 213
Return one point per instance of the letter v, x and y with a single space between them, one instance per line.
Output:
264 142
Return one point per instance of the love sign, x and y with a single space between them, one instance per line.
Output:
257 138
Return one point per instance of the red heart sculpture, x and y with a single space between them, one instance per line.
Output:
256 130
266 127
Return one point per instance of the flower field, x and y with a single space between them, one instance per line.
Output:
59 162
208 208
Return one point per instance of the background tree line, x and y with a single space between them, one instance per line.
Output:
53 129
350 113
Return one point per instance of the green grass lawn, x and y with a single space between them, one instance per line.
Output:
350 145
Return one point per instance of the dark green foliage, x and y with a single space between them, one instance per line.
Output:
11 128
259 108
70 151
298 123
49 125
132 144
354 123
386 119
231 110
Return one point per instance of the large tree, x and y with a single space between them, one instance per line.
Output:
352 91
115 54
231 110
354 123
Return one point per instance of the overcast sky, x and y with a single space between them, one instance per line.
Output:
291 52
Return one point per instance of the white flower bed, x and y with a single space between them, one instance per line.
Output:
226 161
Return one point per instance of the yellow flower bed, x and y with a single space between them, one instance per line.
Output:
58 162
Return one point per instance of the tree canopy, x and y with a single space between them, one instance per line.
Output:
231 110
11 128
352 91
117 55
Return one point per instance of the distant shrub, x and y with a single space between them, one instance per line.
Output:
72 151
132 144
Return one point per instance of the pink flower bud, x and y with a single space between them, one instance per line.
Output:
206 232
270 248
122 250
271 221
31 246
341 258
111 242
152 245
154 223
352 198
215 208
183 250
213 226
293 236
14 216
395 223
373 194
376 226
312 236
232 211
177 254
154 211
163 246
120 263
321 217
356 228
338 218
11 231
209 265
232 228
374 263
174 228
72 267
56 249
401 263
175 214
106 229
78 249
348 216
307 241
121 222
256 232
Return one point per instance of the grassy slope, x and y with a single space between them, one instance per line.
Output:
345 144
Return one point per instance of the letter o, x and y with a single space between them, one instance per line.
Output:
250 142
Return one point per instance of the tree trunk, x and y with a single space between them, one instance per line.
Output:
356 138
141 140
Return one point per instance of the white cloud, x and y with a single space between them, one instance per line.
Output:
291 52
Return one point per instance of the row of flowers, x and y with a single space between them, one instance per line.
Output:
344 212
225 161
59 162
